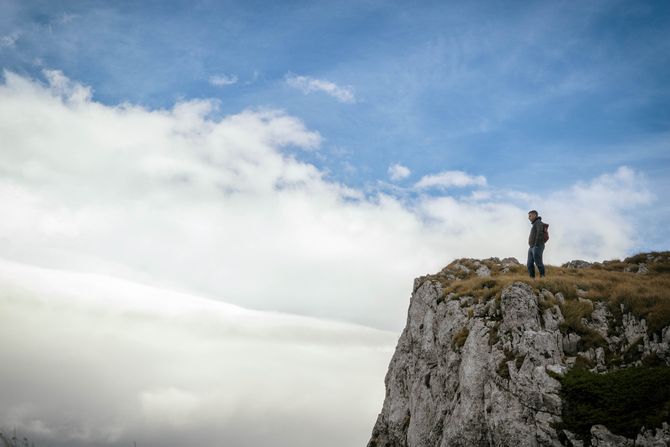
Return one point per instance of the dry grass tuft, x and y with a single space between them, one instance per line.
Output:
615 282
459 339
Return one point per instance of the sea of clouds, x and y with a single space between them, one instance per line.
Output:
176 277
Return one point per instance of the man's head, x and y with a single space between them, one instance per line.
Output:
532 215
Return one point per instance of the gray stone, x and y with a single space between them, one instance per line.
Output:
557 369
659 437
483 271
519 308
552 318
570 343
462 268
573 440
577 264
601 437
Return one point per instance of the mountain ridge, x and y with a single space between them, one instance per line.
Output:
488 356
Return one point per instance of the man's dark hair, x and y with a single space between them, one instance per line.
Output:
533 212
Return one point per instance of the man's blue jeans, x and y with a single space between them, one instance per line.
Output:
535 258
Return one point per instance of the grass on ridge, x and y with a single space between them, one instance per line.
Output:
645 296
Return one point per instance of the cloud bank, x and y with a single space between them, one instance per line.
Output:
212 213
92 360
218 207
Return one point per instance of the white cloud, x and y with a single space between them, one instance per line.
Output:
308 85
448 179
398 172
9 40
223 80
89 359
178 199
594 219
62 86
218 208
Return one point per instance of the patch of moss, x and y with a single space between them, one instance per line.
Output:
624 400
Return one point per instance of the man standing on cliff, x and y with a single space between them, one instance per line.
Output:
536 244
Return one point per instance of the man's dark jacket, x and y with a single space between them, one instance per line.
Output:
536 236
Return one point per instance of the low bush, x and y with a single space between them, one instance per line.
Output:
624 400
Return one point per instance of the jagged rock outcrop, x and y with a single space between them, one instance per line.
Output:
478 368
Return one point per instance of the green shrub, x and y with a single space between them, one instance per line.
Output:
624 400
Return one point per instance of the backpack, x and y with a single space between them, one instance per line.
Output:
545 232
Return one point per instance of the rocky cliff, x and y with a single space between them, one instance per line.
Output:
491 358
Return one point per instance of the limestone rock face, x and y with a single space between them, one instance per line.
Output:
478 372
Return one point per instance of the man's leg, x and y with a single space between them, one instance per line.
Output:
531 263
537 255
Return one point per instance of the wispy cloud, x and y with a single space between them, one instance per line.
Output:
9 40
450 179
223 80
67 18
308 85
398 172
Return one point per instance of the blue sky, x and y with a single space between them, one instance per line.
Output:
533 95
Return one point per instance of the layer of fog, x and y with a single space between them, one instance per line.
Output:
92 360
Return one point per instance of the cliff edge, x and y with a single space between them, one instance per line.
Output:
490 357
